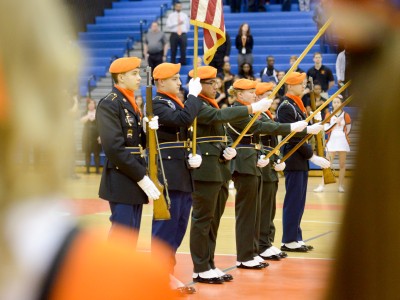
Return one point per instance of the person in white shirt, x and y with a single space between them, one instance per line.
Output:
178 24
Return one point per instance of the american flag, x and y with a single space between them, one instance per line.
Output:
209 15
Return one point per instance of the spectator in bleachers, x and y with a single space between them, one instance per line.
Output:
222 54
256 5
140 103
304 5
322 74
292 59
227 79
319 100
221 97
274 107
244 44
90 136
282 90
235 5
286 5
178 24
269 73
246 72
155 46
320 17
199 64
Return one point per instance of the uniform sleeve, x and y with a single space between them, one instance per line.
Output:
267 127
211 115
182 118
113 141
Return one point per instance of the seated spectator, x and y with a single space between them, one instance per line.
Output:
281 91
227 76
256 5
304 5
244 44
274 106
140 103
221 98
319 100
246 72
269 73
292 59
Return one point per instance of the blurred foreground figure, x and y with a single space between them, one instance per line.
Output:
43 254
368 255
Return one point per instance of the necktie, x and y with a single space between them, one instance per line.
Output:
179 30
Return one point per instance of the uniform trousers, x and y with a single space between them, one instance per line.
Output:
176 40
209 199
293 205
268 210
247 211
172 231
126 215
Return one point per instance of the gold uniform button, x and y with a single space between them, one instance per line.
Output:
169 157
206 153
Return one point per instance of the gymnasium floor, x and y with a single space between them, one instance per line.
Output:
300 276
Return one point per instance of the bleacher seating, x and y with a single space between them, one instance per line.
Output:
112 34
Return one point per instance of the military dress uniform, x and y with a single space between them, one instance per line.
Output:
122 138
211 182
270 181
296 174
247 178
173 136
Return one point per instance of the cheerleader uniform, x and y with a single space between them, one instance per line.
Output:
338 133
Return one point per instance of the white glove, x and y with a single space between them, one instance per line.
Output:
317 117
194 161
262 105
320 161
280 166
261 163
153 124
149 188
315 128
195 87
298 126
229 153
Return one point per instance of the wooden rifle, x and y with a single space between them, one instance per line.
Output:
307 137
329 176
162 204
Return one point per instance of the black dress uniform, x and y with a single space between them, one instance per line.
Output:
247 179
211 182
270 181
296 174
173 137
122 136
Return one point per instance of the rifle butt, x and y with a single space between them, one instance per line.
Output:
329 176
160 209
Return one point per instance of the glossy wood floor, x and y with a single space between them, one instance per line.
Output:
300 276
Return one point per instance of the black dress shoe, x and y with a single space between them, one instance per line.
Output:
227 277
299 249
309 247
271 257
213 280
185 290
283 255
260 266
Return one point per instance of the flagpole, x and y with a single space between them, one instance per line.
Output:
196 41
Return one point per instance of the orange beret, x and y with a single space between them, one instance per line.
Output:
244 84
263 87
124 64
166 70
295 78
205 72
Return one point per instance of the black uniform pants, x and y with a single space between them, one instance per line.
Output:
176 40
247 212
155 59
209 199
268 210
